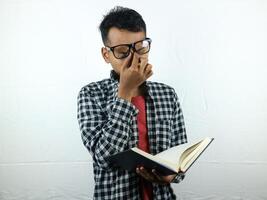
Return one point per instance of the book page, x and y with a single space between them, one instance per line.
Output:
183 156
188 153
173 154
189 160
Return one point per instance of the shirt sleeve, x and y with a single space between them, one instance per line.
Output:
179 132
178 126
104 135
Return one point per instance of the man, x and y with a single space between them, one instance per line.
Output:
126 111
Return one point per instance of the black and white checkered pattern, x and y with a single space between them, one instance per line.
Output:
108 125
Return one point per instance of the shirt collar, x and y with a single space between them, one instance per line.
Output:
114 76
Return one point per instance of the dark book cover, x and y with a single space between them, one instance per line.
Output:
129 160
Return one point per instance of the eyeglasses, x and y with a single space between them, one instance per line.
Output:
123 50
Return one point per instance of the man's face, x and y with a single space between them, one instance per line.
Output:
117 37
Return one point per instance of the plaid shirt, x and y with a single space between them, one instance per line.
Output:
108 125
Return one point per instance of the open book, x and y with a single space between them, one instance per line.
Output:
171 161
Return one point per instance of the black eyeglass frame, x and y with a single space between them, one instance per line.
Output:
131 46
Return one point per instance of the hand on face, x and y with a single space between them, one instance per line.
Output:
154 177
134 71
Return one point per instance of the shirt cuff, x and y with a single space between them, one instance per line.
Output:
178 178
123 110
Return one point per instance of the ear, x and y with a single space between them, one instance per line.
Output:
105 54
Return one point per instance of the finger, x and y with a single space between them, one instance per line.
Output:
157 176
127 62
149 71
143 65
135 61
146 174
149 75
139 172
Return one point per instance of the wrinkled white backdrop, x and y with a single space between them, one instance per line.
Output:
214 53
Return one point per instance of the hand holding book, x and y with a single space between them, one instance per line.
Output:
154 177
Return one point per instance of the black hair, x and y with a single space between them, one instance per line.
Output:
121 18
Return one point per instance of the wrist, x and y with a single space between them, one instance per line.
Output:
124 95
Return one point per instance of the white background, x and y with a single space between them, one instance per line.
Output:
214 53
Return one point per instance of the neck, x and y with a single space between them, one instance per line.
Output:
138 92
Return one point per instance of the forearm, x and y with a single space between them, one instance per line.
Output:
106 136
